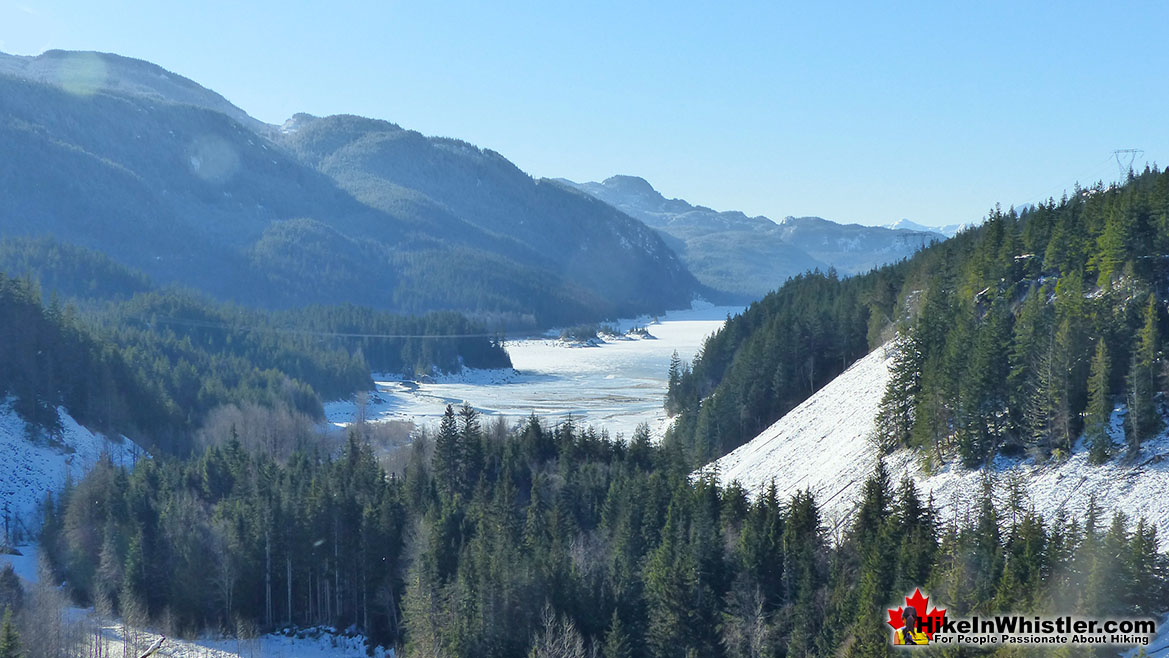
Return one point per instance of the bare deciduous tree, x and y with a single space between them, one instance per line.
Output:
558 639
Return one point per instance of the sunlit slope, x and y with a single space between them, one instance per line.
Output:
824 445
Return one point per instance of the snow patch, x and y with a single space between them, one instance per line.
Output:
32 467
24 561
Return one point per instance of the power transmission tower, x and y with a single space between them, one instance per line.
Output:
1120 155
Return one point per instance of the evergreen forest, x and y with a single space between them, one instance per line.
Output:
536 540
1018 336
153 366
541 540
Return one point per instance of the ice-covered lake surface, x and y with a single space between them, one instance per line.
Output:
614 385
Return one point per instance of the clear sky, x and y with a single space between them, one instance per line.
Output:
857 112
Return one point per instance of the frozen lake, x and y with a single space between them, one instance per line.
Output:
615 385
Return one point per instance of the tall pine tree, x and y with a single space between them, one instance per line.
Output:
1143 419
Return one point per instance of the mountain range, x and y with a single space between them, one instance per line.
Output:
164 176
122 157
746 257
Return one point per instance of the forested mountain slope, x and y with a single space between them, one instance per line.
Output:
606 252
156 365
1064 303
166 177
826 446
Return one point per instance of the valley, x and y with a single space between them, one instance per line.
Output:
613 385
303 366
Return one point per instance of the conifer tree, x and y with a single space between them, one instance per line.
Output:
1113 246
987 546
918 538
617 644
9 638
672 392
470 448
873 535
446 453
895 416
1143 420
803 548
1099 411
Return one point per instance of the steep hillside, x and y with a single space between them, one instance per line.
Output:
827 445
747 257
167 177
1018 337
34 464
158 365
606 252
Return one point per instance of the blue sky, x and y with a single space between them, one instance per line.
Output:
932 111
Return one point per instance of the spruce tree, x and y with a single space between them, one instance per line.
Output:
617 644
470 449
1031 325
1113 246
896 413
1143 419
1099 407
673 404
446 453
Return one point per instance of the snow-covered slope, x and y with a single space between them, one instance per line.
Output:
823 445
32 467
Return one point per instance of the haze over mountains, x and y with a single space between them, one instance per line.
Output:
746 257
167 177
124 158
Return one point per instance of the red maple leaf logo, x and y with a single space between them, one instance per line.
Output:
927 623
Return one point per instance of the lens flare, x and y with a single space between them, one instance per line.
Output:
83 74
212 158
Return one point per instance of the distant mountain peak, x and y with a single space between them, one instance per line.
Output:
745 257
949 230
630 185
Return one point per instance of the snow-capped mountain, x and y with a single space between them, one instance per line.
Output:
824 445
949 230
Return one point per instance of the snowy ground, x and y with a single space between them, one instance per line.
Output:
119 640
313 643
824 445
32 467
615 385
821 445
1159 644
25 564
